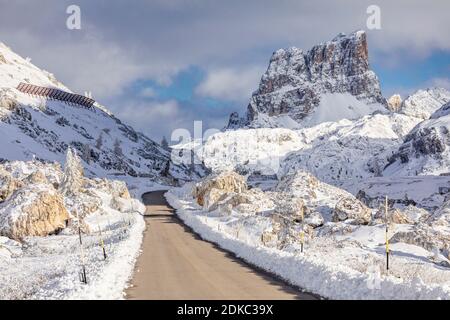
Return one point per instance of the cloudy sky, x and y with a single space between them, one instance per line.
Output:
161 64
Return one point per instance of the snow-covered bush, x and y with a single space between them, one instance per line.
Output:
72 180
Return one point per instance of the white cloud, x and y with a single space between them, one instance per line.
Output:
230 83
441 82
148 92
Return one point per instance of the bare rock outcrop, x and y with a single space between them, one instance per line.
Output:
35 210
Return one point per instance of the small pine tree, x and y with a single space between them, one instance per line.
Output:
72 180
164 143
87 153
117 148
99 141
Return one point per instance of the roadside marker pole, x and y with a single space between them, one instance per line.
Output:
302 235
83 277
387 231
102 243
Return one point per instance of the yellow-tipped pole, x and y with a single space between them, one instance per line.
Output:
102 243
387 231
302 234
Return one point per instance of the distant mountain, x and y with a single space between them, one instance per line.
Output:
330 82
422 103
36 127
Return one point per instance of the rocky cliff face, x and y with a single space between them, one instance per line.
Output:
296 80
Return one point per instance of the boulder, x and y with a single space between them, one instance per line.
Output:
351 209
225 182
36 210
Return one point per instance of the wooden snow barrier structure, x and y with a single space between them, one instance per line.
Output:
56 94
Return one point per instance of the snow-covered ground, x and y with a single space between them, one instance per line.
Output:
334 264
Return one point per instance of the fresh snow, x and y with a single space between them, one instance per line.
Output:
347 266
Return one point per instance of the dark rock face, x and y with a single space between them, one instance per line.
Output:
295 80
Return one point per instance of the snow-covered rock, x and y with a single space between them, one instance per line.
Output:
331 81
426 237
351 209
319 199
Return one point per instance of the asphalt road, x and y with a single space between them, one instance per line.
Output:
177 264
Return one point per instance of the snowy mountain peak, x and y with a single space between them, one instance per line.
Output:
292 89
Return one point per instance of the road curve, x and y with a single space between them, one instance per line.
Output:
177 264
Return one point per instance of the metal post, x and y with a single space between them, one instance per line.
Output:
387 231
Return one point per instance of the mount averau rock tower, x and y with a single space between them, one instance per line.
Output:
332 78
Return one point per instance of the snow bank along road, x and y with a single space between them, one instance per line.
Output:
177 264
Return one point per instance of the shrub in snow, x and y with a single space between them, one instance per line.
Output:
36 210
351 209
7 102
284 232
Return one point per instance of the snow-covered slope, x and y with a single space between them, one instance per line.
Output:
330 82
33 126
335 152
423 103
426 149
